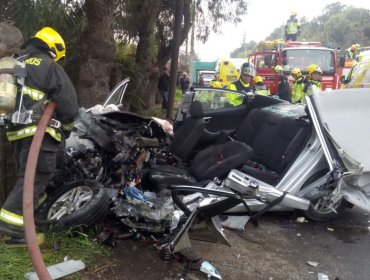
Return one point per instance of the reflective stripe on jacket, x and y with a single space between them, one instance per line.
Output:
262 90
11 218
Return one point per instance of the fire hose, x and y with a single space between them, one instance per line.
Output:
28 194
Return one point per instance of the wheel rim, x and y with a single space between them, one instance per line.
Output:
70 202
322 206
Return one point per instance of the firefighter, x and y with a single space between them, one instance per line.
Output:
283 89
45 81
260 88
292 28
351 52
216 82
247 73
313 82
297 86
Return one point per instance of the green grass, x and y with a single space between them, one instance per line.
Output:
15 262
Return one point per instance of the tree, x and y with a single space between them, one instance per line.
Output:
96 52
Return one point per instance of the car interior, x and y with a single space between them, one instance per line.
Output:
264 144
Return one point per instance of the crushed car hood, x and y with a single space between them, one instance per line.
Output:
346 115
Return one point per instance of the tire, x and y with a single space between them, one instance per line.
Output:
318 212
58 212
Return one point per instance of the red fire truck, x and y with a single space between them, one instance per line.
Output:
295 55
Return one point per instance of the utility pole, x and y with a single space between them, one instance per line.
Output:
175 56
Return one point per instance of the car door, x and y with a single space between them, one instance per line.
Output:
222 109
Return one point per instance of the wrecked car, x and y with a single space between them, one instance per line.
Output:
230 154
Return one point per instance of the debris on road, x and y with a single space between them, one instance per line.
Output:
59 270
301 220
330 229
312 263
322 276
210 270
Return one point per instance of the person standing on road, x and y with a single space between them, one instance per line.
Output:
45 81
184 83
283 89
292 28
247 73
313 81
164 86
297 86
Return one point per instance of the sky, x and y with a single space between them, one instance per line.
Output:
262 18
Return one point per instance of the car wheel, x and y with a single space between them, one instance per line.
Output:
321 208
81 202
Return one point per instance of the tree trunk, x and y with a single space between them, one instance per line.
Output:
148 74
97 52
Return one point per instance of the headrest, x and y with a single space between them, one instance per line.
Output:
196 110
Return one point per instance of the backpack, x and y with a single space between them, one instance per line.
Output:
12 75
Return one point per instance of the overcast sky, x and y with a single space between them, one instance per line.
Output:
262 18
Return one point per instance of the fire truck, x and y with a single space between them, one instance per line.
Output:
299 55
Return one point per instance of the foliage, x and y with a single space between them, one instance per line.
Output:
15 262
67 17
212 14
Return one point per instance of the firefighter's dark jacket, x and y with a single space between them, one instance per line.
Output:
47 77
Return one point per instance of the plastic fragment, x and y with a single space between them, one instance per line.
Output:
301 220
322 276
312 263
59 270
210 270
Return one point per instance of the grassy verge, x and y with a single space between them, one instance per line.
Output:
15 262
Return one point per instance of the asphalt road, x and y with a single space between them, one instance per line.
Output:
279 248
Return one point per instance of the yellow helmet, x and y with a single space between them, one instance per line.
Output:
296 72
294 14
312 69
53 39
353 47
258 79
278 68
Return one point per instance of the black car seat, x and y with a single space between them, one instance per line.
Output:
192 135
215 161
188 134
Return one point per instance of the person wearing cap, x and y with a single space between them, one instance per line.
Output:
292 28
45 81
283 89
243 84
313 82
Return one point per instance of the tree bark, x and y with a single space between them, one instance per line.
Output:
97 52
175 56
148 73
